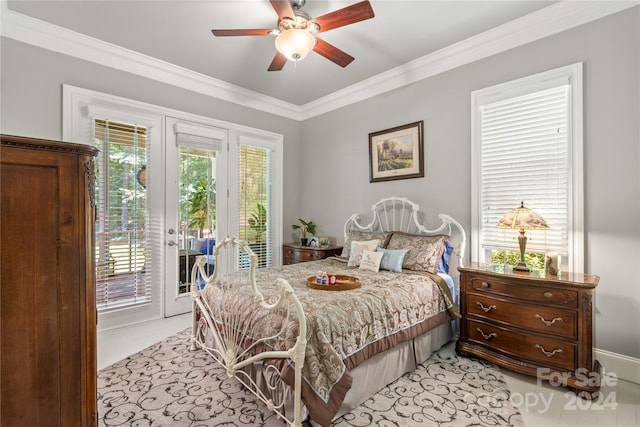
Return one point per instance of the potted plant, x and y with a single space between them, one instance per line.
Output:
306 228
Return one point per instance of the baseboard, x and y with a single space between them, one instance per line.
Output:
624 367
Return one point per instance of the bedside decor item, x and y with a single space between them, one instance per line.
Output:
306 228
524 219
396 153
324 241
552 264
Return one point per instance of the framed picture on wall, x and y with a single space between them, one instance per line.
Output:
397 153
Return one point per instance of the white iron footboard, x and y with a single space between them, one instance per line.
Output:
241 327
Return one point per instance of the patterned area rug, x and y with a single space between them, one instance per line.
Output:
168 385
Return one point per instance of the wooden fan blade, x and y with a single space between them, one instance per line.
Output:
225 33
332 53
278 62
348 15
283 9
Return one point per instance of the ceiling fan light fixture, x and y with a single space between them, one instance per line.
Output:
295 43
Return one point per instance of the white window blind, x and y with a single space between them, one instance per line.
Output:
525 159
121 218
527 148
255 177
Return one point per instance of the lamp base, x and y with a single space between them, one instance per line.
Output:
521 266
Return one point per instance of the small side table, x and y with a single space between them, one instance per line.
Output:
293 253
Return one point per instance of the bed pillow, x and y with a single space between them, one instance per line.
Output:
358 248
423 252
392 259
358 236
443 265
371 260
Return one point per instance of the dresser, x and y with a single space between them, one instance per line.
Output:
532 323
293 254
47 294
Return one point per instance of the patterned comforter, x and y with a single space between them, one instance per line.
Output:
344 328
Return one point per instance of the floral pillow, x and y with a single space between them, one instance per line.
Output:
423 252
358 248
358 236
371 261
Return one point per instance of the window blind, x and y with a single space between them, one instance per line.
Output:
524 158
121 214
255 173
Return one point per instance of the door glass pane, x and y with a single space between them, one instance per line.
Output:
121 217
255 199
197 189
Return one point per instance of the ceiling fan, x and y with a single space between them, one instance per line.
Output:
297 31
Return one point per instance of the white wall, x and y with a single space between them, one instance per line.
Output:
336 155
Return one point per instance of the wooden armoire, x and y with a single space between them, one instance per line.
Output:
47 294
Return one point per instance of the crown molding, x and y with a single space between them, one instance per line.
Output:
39 33
545 22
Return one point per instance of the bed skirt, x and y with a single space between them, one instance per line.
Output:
373 374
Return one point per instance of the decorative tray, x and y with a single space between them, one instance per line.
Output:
343 283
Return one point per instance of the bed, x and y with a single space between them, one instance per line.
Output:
319 353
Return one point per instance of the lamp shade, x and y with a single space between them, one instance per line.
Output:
522 218
295 43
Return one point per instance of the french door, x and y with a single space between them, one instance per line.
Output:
195 204
165 189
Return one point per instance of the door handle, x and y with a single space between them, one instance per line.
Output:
171 243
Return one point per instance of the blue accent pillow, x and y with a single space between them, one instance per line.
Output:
392 259
443 264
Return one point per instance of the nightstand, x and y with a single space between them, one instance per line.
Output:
294 254
531 323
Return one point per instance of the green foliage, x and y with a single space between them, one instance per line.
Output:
533 260
258 222
306 228
201 204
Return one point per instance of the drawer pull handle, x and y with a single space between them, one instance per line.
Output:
487 336
486 309
548 294
549 322
548 353
484 285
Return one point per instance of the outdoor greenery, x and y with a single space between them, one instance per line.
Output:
533 260
258 222
197 193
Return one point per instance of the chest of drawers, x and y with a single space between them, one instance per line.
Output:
294 254
531 323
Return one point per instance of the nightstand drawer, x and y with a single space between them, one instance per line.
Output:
298 255
545 319
544 295
542 350
293 254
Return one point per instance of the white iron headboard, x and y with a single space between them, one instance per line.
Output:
401 214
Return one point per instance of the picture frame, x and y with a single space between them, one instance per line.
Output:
314 242
324 241
397 153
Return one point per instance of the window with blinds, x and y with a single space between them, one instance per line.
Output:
524 141
121 214
255 200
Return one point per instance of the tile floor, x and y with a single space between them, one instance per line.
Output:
541 404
